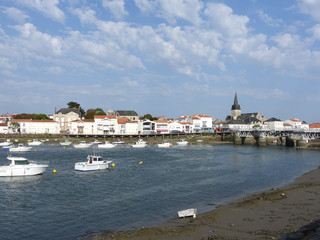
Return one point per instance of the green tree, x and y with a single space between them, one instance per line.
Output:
99 111
15 126
93 112
76 105
148 116
40 116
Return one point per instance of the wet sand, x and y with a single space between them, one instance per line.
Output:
289 212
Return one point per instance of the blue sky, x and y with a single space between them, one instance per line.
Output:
163 57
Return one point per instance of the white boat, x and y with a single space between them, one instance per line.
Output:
107 144
118 142
6 143
139 144
82 144
20 166
164 145
35 142
94 163
182 142
199 140
20 148
191 212
65 143
96 142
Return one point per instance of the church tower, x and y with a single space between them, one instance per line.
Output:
235 109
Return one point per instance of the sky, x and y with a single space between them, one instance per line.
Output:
162 57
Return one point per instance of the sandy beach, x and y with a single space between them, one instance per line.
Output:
289 212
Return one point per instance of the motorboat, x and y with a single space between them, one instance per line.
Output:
107 144
93 163
6 143
139 144
20 166
35 142
182 142
96 142
191 212
165 144
118 142
65 143
82 144
199 140
20 148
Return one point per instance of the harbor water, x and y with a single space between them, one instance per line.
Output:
145 187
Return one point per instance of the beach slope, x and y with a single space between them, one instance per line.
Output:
289 212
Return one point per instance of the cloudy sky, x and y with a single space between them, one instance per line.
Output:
163 57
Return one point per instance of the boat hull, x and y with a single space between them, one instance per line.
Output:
106 146
164 145
82 146
20 149
85 167
28 170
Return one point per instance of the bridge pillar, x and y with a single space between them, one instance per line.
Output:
302 143
237 140
262 141
249 140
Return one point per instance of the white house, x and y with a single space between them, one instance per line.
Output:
106 124
28 126
82 127
3 128
206 122
65 116
274 124
161 127
175 127
146 127
295 123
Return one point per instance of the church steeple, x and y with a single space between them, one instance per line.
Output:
235 109
235 105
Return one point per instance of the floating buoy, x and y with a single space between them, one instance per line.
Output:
140 162
64 147
54 171
113 165
35 150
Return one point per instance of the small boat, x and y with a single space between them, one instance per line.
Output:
96 142
191 212
118 142
82 144
139 144
6 143
35 142
165 144
107 144
65 143
20 166
20 148
94 163
199 140
182 142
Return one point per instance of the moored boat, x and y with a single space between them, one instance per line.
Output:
107 144
165 144
65 143
93 163
6 143
139 144
118 141
20 148
35 142
82 144
182 142
20 166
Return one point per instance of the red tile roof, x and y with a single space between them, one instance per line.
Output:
314 125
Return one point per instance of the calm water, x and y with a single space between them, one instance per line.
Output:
70 205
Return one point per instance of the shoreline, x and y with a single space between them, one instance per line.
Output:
292 210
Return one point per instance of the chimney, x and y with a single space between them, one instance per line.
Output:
55 109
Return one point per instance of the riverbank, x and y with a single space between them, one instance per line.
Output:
289 212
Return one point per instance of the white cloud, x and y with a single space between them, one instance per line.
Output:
222 18
48 8
315 30
116 7
6 64
173 10
15 14
269 20
310 7
145 6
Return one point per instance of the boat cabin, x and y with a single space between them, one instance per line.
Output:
94 159
18 161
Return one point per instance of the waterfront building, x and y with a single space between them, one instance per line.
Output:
297 124
82 126
146 127
3 128
29 126
273 124
129 114
65 116
161 127
106 125
240 119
